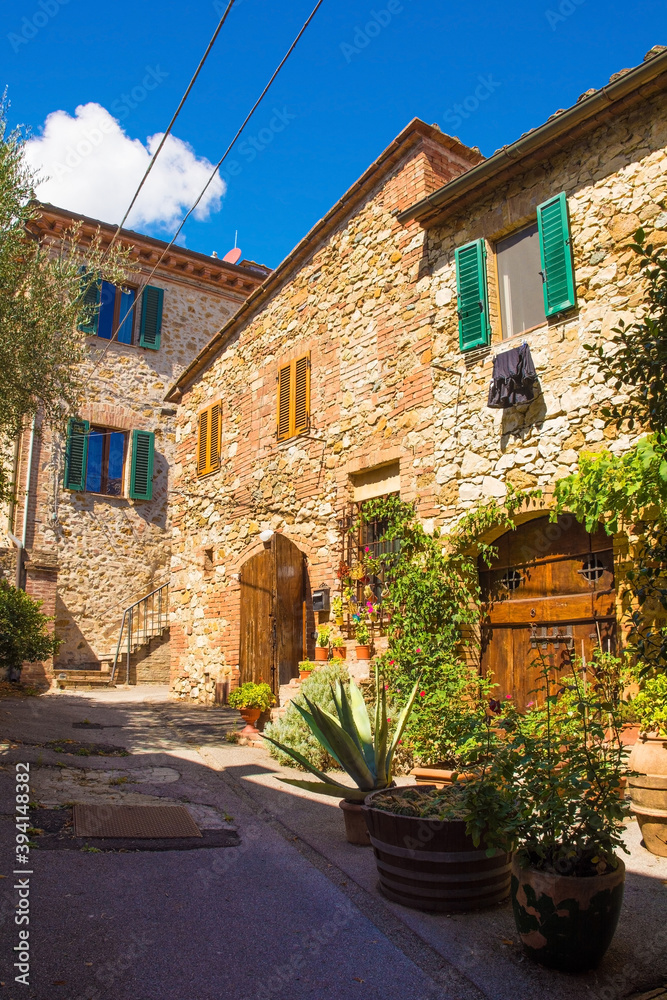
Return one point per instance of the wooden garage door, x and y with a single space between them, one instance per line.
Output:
549 594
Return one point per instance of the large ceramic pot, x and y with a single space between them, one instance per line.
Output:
356 830
648 790
250 717
321 652
564 921
432 865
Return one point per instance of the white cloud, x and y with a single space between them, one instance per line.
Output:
91 166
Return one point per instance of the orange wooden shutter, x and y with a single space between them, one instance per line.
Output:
201 444
214 438
284 401
301 394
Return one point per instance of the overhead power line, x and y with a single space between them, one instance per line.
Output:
171 124
222 159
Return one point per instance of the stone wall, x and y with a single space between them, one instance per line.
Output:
375 305
110 551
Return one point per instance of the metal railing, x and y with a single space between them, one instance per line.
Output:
147 617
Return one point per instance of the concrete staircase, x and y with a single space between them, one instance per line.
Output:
286 693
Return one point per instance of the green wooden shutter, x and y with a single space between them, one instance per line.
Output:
90 301
76 454
141 477
151 317
556 254
473 304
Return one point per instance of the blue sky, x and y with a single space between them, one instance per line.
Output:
342 97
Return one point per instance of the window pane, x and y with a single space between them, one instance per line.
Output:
125 317
107 301
94 469
520 281
115 467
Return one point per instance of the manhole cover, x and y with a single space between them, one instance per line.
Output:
133 821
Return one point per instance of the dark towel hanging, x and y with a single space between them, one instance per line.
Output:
514 378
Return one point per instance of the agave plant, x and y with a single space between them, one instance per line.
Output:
349 740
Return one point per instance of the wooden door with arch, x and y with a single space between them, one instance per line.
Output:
549 597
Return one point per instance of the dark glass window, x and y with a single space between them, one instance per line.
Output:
114 311
106 458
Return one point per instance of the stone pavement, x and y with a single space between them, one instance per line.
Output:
291 913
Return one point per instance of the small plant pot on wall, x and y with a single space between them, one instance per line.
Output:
566 921
321 652
363 652
339 652
648 790
304 674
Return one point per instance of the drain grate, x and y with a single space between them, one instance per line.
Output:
133 821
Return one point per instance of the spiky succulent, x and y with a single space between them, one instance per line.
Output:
349 740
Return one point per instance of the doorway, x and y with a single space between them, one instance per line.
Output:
549 596
272 637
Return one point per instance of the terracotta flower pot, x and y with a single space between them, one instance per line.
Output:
339 652
566 922
304 674
250 717
438 776
363 652
648 790
356 830
321 652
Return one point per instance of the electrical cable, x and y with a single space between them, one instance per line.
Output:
171 125
139 296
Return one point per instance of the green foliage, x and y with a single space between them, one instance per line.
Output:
337 641
363 750
24 633
551 788
293 731
251 695
41 303
337 607
639 357
361 632
431 593
323 636
650 705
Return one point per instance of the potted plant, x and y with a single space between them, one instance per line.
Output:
338 647
306 668
565 822
648 763
366 753
322 645
251 700
337 608
362 635
442 869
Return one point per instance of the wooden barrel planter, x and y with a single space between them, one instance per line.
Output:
431 865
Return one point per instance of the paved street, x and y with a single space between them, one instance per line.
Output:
291 912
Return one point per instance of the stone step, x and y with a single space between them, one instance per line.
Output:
82 678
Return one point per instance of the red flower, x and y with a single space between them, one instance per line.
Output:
388 721
422 694
419 650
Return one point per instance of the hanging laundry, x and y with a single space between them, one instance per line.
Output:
514 378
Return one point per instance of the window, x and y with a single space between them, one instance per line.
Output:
95 460
535 277
110 310
209 440
293 398
520 282
106 460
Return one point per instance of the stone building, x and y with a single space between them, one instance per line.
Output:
89 523
363 366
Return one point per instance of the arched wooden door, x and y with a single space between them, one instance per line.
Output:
549 595
271 616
